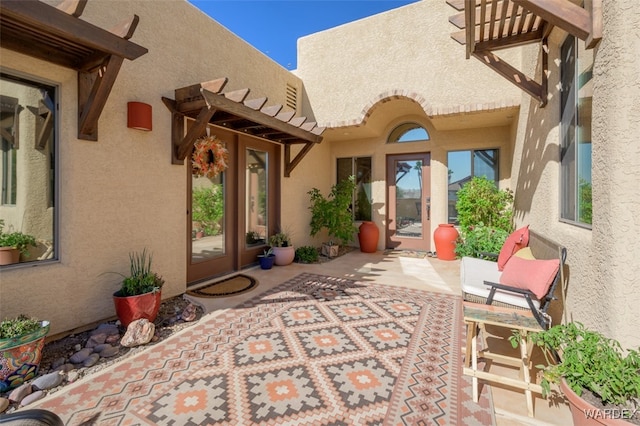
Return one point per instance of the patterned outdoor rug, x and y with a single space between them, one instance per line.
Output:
315 350
230 286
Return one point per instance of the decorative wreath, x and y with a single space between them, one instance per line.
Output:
210 157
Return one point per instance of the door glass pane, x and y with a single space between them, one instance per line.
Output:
207 206
363 189
257 196
408 198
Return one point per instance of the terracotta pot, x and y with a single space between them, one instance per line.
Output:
580 408
368 237
445 237
284 255
9 255
20 357
131 308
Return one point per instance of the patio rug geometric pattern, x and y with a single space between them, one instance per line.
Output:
315 350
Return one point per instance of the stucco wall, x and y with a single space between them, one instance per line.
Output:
408 48
122 193
601 261
309 174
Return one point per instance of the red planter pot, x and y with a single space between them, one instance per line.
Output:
131 308
445 237
368 237
579 409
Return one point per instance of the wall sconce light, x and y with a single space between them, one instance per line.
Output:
139 116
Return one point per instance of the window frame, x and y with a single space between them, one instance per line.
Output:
400 130
354 171
572 130
53 170
472 172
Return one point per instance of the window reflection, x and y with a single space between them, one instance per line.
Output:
27 164
256 201
408 198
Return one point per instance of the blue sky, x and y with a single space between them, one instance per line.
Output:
274 26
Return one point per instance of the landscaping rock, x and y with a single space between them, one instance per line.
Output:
109 351
19 393
4 403
81 355
32 398
91 360
189 313
108 329
96 340
65 367
139 332
48 381
58 362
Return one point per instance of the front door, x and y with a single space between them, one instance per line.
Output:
210 219
408 202
231 215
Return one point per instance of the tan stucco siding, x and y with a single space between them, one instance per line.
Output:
602 265
408 48
318 169
122 193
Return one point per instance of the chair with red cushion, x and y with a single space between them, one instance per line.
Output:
521 283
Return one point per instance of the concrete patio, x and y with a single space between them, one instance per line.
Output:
429 274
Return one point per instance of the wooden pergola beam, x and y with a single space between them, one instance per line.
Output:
93 97
289 164
562 14
515 76
239 109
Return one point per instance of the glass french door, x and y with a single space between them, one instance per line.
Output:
408 202
211 224
231 216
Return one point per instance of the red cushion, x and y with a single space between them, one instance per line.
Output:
534 275
514 242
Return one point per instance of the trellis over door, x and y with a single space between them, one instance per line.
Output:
229 217
408 201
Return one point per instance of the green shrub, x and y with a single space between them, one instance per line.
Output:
307 254
334 212
479 239
280 240
589 360
141 279
480 201
208 208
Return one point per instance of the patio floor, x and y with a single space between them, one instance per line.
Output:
430 274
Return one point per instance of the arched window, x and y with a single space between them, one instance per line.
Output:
408 132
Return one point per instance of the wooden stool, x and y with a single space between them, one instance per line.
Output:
477 316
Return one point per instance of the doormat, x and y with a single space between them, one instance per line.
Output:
231 286
415 254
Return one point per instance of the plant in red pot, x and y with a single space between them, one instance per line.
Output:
600 381
141 292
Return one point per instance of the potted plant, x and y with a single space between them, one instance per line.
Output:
599 379
282 248
140 293
266 259
12 244
21 344
333 213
